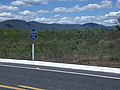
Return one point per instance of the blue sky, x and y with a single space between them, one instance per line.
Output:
61 11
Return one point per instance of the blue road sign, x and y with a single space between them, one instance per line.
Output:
33 35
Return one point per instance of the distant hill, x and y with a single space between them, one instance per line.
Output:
95 26
23 25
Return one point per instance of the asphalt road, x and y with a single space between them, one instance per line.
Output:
30 77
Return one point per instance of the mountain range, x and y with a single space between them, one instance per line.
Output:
23 25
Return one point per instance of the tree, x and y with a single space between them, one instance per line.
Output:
118 20
118 26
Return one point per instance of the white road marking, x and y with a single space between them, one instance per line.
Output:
65 72
63 65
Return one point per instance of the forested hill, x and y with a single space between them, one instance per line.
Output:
23 25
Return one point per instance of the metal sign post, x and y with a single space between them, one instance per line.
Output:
33 36
33 54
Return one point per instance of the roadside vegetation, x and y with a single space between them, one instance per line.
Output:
88 47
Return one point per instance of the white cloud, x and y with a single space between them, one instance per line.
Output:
106 4
62 20
60 10
118 3
27 13
65 20
57 15
72 0
112 15
42 11
88 19
109 22
35 2
91 7
77 8
31 13
43 20
6 15
19 3
7 8
29 2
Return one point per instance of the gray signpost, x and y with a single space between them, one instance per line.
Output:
33 36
